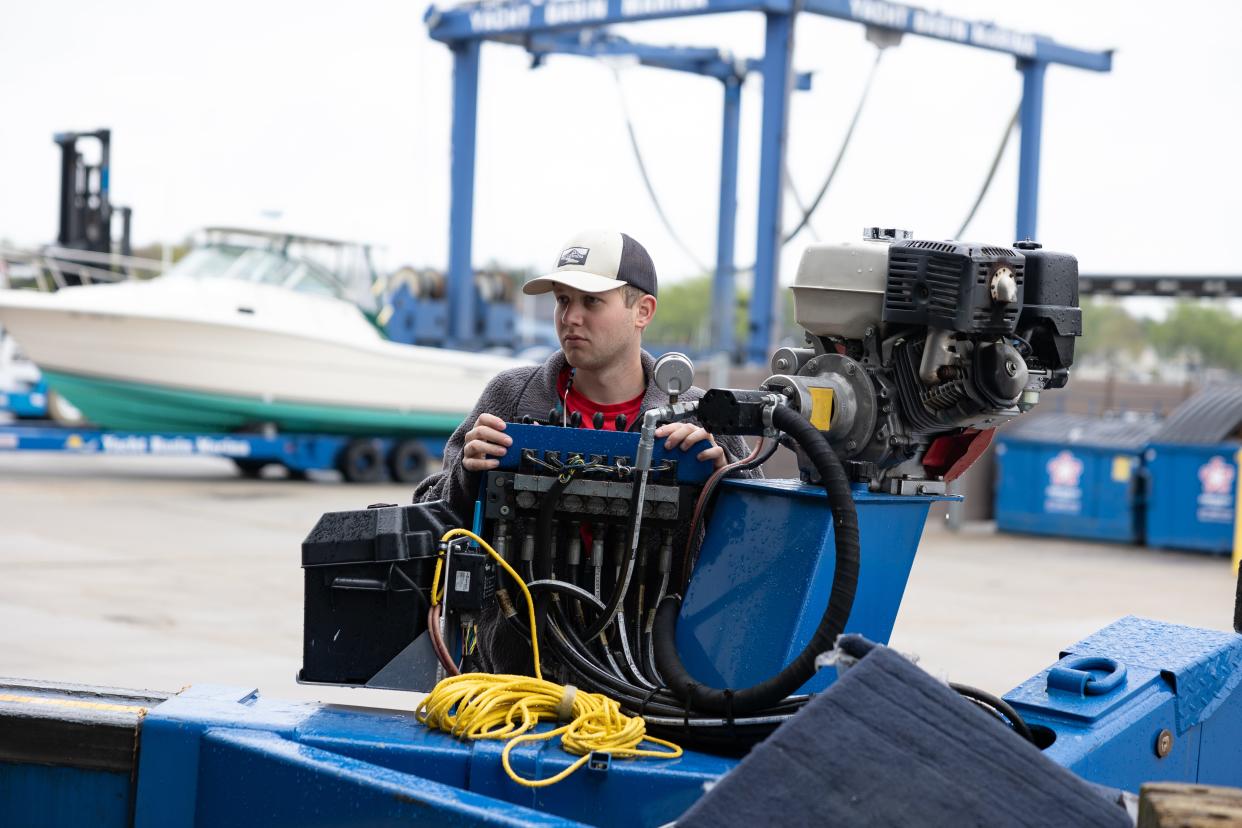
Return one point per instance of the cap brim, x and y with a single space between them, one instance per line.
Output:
576 279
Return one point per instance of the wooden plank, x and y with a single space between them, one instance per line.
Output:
1181 805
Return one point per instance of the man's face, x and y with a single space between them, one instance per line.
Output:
596 328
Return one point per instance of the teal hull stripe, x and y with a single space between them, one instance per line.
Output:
132 406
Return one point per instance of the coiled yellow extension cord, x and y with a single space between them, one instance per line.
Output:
486 706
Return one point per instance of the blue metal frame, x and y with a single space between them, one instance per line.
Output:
461 196
215 755
1031 125
1136 680
724 302
777 54
506 21
298 452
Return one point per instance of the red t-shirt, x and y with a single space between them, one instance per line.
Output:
587 407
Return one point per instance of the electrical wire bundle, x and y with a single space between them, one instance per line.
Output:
491 706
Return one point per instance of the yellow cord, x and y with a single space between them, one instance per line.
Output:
486 706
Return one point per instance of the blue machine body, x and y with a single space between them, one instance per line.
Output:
35 794
1073 476
1112 698
765 571
1193 500
227 756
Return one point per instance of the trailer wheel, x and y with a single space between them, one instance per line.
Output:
407 462
361 462
249 468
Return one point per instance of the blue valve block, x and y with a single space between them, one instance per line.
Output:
1142 701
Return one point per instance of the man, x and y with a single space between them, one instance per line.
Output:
605 287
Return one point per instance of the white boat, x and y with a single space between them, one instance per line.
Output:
249 329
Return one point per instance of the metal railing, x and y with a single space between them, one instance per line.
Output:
51 268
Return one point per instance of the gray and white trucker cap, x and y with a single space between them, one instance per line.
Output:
596 261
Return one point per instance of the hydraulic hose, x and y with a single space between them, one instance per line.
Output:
739 702
638 495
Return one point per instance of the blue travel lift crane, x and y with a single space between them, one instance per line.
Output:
464 29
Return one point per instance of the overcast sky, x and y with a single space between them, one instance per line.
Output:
337 115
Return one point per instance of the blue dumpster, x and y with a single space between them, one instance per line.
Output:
1193 467
1073 476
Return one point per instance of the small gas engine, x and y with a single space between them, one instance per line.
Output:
912 342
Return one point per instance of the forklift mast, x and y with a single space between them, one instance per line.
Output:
85 210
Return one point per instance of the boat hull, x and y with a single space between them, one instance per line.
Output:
142 360
130 406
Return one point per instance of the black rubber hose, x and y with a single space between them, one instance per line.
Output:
1237 605
997 704
731 702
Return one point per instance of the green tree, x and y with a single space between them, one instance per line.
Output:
1209 331
1109 331
684 316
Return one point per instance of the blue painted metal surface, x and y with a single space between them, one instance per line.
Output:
765 571
724 308
1071 490
1173 678
610 444
1193 496
415 320
530 17
777 54
29 403
461 195
299 452
63 797
1031 125
227 756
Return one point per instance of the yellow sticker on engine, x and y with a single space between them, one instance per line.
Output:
821 408
1121 469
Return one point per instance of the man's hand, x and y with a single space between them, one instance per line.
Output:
685 435
484 443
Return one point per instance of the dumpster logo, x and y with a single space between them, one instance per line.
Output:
1063 494
1216 478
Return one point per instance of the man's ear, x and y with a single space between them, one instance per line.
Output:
644 310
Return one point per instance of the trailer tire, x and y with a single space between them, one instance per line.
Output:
361 462
407 462
249 468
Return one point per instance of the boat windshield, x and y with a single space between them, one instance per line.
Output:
249 264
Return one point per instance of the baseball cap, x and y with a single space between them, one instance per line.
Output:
595 261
